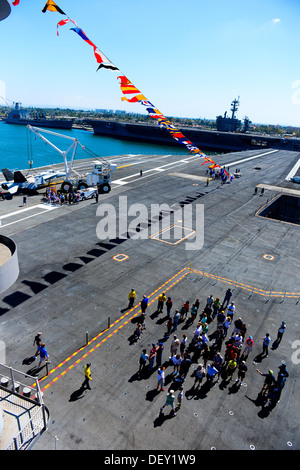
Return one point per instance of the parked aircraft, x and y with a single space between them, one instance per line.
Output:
16 181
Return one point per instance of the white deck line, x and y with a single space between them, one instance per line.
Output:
293 170
250 158
44 207
159 169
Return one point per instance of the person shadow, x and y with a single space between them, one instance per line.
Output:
28 360
162 320
234 388
77 394
161 418
35 370
260 400
275 344
132 339
199 393
125 309
154 314
151 394
259 358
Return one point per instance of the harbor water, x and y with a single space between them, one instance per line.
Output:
19 146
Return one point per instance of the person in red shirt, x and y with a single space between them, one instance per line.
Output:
152 356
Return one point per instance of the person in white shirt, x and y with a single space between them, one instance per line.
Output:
238 340
160 378
280 332
231 310
176 361
174 346
197 333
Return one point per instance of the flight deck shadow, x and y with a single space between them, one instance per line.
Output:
17 298
36 287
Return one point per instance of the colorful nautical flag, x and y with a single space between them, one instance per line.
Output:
103 61
128 88
83 35
16 2
63 22
100 57
135 99
51 6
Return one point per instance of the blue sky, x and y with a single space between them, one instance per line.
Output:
188 58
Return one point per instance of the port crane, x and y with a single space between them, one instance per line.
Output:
101 175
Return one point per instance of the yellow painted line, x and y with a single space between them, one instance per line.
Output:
247 287
182 273
114 332
124 166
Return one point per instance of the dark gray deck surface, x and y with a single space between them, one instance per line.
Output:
69 284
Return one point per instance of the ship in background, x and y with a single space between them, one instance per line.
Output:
25 116
232 124
230 136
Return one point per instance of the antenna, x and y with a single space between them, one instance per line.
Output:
234 106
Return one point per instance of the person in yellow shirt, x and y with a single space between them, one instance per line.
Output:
87 375
131 298
232 365
161 300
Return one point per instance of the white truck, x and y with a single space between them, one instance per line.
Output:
101 176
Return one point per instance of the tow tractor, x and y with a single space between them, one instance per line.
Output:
102 171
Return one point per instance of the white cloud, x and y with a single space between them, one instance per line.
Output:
275 21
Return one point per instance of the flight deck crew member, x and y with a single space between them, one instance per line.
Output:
161 300
87 375
131 298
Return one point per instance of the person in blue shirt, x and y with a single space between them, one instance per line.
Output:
143 360
266 342
144 304
282 375
211 372
43 354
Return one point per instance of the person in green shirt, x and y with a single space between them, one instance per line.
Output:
170 399
216 305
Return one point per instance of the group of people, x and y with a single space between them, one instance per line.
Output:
221 174
213 364
53 197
